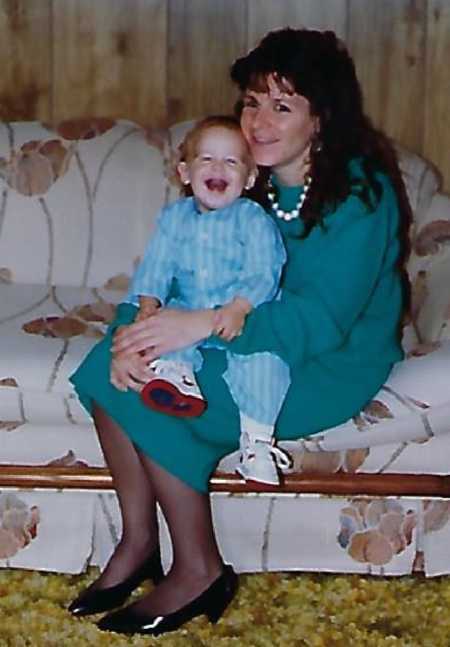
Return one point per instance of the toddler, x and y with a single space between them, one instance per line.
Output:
216 249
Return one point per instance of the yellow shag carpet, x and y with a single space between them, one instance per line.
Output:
270 610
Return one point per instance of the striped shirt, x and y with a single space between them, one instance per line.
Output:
209 258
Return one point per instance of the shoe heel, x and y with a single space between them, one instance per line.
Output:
214 615
218 606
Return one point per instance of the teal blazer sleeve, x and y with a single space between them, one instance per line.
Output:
350 283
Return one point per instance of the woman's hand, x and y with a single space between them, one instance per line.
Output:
168 330
129 372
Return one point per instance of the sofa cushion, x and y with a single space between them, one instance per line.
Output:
44 334
46 331
404 429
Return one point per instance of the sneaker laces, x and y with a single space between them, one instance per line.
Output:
251 447
281 458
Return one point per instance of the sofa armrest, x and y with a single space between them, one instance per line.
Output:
421 180
429 270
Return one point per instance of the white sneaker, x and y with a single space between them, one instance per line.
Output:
173 390
261 460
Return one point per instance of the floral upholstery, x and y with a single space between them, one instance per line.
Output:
77 206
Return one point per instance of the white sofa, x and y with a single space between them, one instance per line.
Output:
77 206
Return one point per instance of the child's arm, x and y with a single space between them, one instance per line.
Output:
263 257
259 275
155 272
148 306
229 319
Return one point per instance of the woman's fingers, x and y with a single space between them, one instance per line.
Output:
137 377
139 374
167 330
135 338
135 385
117 383
119 380
130 372
154 353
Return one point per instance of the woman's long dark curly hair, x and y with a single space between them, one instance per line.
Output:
318 66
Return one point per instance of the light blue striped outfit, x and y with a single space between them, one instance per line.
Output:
203 260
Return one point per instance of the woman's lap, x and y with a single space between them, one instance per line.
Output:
190 448
320 398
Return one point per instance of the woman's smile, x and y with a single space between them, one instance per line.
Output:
279 127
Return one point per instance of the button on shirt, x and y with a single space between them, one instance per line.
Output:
213 256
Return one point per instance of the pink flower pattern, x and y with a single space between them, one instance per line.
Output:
374 531
18 525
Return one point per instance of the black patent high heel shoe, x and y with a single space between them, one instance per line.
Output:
211 602
98 600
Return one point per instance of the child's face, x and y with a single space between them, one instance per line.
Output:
220 169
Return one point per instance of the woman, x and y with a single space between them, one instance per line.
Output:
332 185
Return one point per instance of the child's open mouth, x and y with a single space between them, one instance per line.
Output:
214 184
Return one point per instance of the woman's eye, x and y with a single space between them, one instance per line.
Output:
249 102
282 107
205 158
231 161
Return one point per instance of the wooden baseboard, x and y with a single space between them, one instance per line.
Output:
340 484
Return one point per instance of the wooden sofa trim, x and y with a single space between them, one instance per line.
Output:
340 484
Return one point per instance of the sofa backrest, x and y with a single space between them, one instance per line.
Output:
78 199
79 202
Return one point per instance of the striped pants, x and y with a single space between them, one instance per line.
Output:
258 383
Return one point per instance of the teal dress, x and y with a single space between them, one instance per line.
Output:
336 326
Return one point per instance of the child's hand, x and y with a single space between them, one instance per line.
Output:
230 318
145 313
148 306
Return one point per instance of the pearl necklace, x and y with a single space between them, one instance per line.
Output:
295 212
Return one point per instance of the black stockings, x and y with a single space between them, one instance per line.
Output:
139 483
136 500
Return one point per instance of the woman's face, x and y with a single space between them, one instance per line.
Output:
279 127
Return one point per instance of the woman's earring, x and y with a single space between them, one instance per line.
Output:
316 144
251 181
186 182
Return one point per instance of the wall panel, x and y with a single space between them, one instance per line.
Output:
110 59
25 52
204 38
387 41
264 15
160 61
437 92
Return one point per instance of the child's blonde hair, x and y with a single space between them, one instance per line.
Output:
188 148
